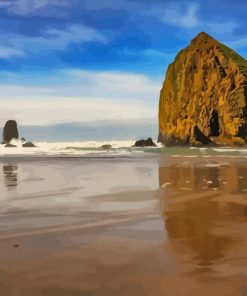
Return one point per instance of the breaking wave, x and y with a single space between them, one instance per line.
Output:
111 149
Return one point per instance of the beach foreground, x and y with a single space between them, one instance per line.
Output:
157 224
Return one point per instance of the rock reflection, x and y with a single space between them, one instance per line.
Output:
10 173
242 179
203 204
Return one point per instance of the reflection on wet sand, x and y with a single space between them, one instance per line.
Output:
10 173
205 210
186 235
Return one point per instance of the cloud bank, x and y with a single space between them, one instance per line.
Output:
82 96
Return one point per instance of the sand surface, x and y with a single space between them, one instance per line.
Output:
154 225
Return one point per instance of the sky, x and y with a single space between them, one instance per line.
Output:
64 61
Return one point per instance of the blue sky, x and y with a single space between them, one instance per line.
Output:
94 60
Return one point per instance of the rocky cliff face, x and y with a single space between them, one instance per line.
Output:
204 96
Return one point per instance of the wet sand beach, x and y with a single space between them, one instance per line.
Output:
159 224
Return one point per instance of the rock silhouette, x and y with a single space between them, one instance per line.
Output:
106 147
145 143
10 131
204 96
28 145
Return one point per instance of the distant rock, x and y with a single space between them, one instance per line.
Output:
23 140
10 145
28 145
106 147
10 131
145 143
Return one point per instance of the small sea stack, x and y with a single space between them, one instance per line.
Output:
145 143
10 131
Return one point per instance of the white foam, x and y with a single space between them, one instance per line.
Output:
66 149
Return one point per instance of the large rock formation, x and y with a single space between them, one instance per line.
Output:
10 131
204 96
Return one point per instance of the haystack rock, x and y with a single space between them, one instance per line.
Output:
204 96
10 131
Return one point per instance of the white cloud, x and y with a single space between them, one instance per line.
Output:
187 16
48 7
27 7
8 52
63 109
115 84
86 96
79 83
13 45
240 43
4 4
162 56
56 39
221 27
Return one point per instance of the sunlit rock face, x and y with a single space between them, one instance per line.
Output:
204 96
